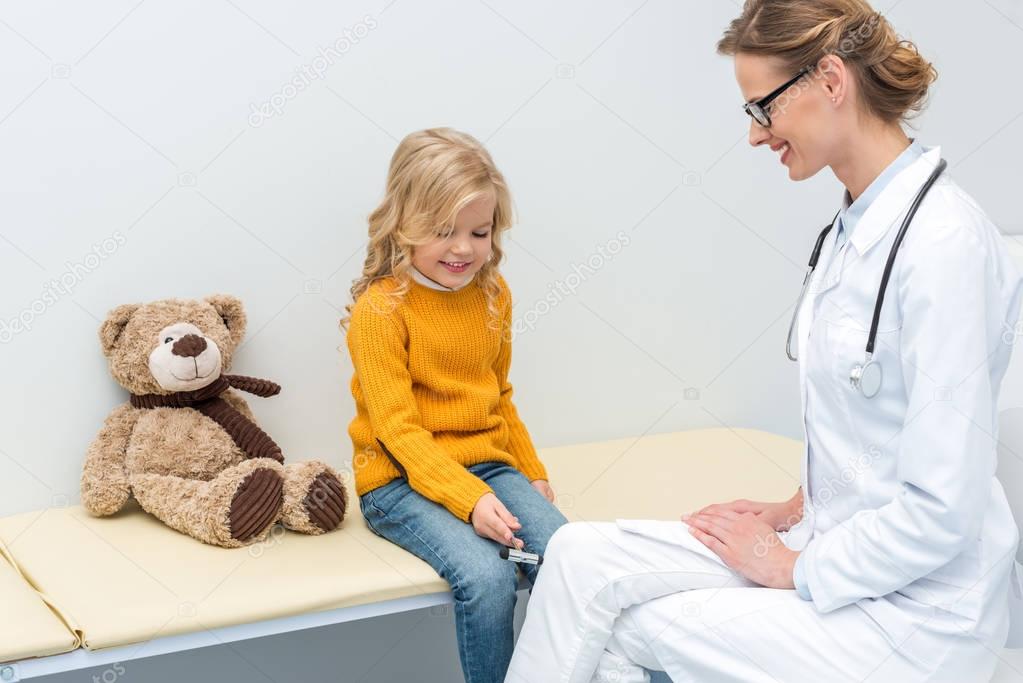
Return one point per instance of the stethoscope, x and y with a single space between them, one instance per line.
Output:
866 377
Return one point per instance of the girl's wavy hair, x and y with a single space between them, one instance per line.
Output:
433 174
894 78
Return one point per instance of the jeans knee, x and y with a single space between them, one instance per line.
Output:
488 585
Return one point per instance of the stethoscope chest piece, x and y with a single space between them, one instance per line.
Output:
867 378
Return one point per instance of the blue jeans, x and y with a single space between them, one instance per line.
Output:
483 585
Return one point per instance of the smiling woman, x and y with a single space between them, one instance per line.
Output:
903 571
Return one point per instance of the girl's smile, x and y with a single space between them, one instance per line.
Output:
456 267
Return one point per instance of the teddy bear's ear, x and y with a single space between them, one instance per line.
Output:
111 329
232 313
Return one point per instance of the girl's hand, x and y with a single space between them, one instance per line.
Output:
491 519
543 487
779 516
747 544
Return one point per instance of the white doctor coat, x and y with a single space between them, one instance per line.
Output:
908 544
903 515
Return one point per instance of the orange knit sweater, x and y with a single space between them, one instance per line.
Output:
431 393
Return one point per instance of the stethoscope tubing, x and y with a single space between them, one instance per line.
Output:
889 264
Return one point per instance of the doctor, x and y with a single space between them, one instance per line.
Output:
893 561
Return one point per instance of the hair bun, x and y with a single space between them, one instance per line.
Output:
898 78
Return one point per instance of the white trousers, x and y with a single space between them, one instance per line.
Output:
610 604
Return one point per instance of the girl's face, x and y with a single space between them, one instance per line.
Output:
803 122
453 260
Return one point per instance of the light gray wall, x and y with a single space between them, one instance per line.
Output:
135 164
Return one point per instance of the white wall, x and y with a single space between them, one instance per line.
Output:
133 122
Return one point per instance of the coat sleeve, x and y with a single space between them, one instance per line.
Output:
946 454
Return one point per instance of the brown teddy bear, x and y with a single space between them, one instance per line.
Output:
186 444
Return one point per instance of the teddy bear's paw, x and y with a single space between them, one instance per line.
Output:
315 499
256 504
325 501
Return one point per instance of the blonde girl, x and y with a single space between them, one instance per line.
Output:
443 465
901 571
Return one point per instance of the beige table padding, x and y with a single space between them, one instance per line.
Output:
28 627
128 578
660 476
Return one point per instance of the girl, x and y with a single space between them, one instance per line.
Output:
899 563
443 465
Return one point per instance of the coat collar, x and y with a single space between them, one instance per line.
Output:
852 211
893 203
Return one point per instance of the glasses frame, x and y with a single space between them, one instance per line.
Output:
758 108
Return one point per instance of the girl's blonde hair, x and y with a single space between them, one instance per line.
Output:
433 174
893 78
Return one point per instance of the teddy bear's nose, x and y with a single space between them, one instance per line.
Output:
189 346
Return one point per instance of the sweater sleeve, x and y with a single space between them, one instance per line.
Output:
520 446
377 343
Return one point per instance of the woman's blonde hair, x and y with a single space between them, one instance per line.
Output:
893 78
433 174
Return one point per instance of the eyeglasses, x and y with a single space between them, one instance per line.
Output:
759 109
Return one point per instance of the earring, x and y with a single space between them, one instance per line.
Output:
834 99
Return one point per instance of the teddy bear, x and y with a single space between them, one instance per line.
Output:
186 444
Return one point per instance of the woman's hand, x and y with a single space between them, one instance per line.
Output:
779 516
747 544
491 519
543 487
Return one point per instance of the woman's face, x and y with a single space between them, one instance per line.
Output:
453 260
803 122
